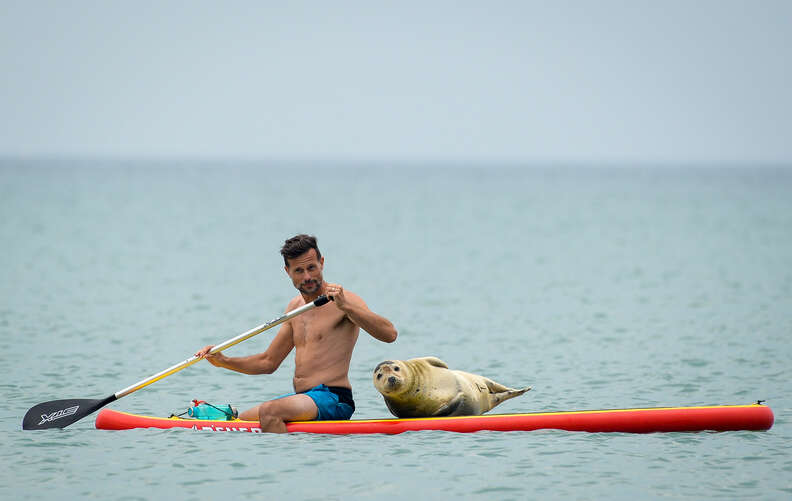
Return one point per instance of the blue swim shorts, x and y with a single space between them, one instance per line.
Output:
334 402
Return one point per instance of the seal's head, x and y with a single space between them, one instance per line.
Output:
391 377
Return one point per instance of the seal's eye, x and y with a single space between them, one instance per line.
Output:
379 376
396 368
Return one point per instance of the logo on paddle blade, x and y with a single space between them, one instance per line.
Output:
45 418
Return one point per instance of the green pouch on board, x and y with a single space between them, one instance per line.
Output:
202 410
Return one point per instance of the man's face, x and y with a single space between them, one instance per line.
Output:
305 272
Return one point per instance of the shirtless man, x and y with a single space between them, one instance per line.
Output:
324 339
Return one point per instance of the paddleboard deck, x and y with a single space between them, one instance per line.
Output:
753 417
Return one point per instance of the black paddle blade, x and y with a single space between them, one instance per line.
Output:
61 413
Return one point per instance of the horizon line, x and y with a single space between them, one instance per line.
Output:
386 161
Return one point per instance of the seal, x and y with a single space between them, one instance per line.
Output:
426 387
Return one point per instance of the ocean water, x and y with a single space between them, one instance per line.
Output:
600 286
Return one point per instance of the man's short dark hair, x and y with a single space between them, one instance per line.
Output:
297 246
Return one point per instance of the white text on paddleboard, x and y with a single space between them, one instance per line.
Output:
212 427
45 418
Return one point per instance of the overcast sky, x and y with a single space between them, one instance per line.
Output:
656 81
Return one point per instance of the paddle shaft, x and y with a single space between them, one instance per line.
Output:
321 300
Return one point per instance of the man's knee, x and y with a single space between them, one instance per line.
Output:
270 422
265 408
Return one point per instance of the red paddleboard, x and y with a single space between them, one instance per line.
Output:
753 417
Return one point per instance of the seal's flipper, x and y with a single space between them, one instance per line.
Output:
453 408
431 361
494 387
501 396
393 409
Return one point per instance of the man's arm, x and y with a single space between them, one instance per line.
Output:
356 310
261 363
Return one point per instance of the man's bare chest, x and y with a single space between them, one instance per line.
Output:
319 326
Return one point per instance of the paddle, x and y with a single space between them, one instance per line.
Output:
62 413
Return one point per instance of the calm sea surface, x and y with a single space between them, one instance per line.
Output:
601 287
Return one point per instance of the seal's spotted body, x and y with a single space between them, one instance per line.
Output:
426 387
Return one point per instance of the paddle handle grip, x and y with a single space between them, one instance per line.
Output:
321 300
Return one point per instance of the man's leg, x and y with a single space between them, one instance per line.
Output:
273 414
